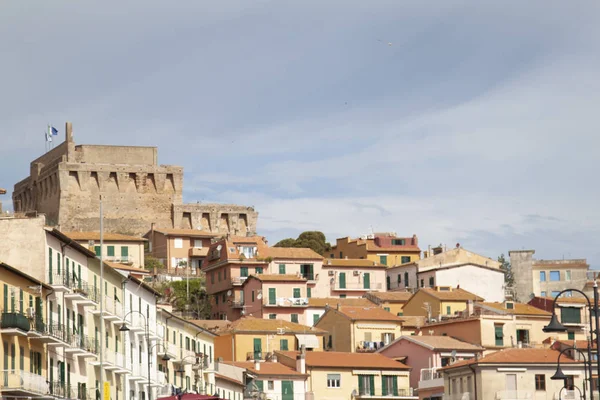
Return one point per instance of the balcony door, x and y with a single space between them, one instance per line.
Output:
511 382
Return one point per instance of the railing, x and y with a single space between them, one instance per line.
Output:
513 395
23 380
457 396
287 302
369 347
428 374
14 320
358 286
38 325
238 280
191 356
113 306
59 279
237 304
57 331
85 289
159 377
120 361
366 393
83 342
254 355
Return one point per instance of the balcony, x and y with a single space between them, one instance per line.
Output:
14 324
119 259
198 252
369 347
430 378
55 335
109 360
158 379
238 280
237 304
121 364
513 395
59 282
286 302
112 309
82 293
135 322
356 286
19 383
169 349
138 373
254 355
399 394
458 396
185 357
81 345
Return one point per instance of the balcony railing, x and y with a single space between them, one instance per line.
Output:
62 390
57 331
358 286
15 320
13 380
287 302
238 280
513 395
365 393
369 347
83 342
428 374
237 304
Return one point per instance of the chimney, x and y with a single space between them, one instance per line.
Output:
338 306
69 132
345 257
274 358
152 225
470 309
301 360
257 365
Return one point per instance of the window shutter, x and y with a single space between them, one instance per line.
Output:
395 384
361 387
384 388
372 384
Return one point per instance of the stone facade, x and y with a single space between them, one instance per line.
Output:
66 184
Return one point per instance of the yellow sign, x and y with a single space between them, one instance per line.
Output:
106 391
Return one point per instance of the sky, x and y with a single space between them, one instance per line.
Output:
459 121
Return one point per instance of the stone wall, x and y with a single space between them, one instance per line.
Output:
216 218
521 262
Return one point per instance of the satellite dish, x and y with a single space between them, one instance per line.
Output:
229 293
219 247
259 296
453 354
199 227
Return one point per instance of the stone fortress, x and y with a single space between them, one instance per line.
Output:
66 183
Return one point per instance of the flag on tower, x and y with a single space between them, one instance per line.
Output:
54 131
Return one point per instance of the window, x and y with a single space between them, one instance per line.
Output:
554 276
570 315
197 243
542 276
389 385
400 314
334 380
398 242
272 316
295 318
244 272
282 269
124 253
422 282
405 259
258 270
387 337
178 243
296 293
399 279
341 254
308 292
406 280
366 385
342 296
97 251
499 335
571 335
270 385
248 251
543 293
366 280
253 296
386 309
540 382
283 344
554 293
110 251
568 275
448 310
307 272
431 281
315 318
272 296
383 260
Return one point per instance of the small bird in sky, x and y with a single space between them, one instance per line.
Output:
389 43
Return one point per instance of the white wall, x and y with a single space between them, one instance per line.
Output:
483 282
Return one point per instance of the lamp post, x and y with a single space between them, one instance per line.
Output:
559 374
575 387
201 359
555 326
124 328
181 369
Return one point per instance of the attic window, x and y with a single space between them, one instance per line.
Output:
510 306
444 288
398 242
232 249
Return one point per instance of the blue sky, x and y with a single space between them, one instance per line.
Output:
470 122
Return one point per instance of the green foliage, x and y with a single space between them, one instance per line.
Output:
198 302
150 263
311 239
505 266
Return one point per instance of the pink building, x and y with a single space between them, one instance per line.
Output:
425 354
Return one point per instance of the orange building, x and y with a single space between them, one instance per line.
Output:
383 248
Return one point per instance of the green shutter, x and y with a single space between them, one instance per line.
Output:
448 310
499 335
395 383
272 296
361 386
296 293
97 251
295 318
372 382
259 385
342 280
244 272
367 281
315 318
282 269
283 345
384 388
124 251
110 250
49 266
308 292
383 260
21 300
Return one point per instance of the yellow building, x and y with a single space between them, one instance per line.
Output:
390 301
382 248
24 331
438 302
359 329
337 375
117 248
250 338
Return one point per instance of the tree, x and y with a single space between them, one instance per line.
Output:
198 303
505 266
152 264
310 239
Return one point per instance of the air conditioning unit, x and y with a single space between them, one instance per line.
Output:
280 331
30 312
331 273
356 273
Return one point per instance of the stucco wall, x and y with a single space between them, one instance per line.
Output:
483 282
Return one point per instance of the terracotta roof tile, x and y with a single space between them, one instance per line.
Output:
278 278
334 359
292 253
252 324
392 297
372 313
125 267
518 356
439 343
211 324
267 368
454 294
109 237
580 344
410 321
229 379
333 301
351 262
518 309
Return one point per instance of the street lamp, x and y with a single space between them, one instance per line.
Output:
201 359
559 374
556 326
575 387
181 369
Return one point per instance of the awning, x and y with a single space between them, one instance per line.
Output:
309 341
